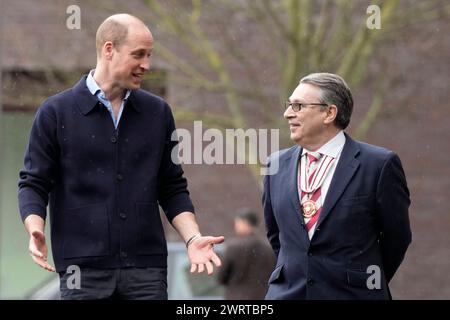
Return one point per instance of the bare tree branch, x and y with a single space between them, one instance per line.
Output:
374 110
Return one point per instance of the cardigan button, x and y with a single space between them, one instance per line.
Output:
119 177
123 215
113 139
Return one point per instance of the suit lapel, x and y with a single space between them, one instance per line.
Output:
291 178
346 168
291 175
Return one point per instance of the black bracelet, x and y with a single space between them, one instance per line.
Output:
191 239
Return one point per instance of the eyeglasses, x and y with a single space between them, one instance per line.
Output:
297 106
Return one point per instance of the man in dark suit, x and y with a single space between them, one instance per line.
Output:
336 210
247 261
100 155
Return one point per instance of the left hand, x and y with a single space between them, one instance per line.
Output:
201 254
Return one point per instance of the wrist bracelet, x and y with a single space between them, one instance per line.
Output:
191 239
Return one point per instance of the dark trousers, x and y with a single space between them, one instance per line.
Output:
126 284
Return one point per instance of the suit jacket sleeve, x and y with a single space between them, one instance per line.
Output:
270 221
392 208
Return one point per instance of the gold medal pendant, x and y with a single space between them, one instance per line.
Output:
309 209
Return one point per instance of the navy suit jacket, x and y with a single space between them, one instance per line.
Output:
363 227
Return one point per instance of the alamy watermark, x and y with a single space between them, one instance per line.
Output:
236 146
374 280
74 280
73 21
374 20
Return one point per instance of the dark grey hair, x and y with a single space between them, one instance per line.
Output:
335 91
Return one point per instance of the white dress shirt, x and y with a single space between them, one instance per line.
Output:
332 148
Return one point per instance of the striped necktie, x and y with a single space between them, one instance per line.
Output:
311 204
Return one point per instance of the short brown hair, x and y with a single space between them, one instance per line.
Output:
249 216
110 30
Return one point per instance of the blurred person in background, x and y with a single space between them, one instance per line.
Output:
247 261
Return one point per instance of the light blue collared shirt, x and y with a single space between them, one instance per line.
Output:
97 91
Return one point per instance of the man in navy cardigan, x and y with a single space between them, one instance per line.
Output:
99 155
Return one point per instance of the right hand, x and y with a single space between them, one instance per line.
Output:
201 254
38 250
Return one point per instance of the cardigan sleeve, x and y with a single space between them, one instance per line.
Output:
36 178
173 194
